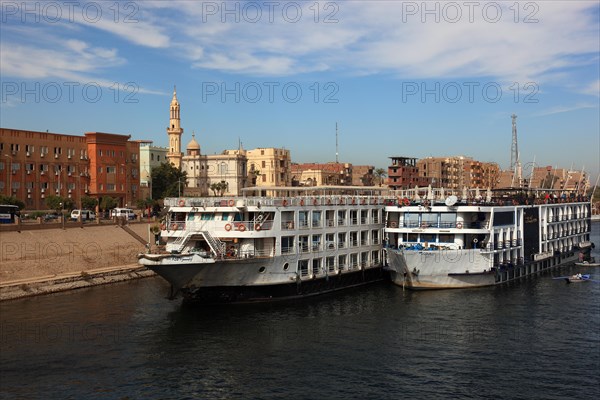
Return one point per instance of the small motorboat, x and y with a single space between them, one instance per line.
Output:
587 264
575 278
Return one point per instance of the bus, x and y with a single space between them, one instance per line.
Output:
7 213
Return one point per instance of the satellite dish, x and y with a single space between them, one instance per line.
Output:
450 201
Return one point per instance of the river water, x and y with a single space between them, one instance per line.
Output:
537 338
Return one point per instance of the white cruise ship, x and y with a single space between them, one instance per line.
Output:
438 242
293 243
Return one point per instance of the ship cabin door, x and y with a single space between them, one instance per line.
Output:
476 241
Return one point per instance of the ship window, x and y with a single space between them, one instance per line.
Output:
316 266
303 219
208 216
447 220
190 216
287 244
286 266
303 267
411 220
330 263
261 270
429 219
446 238
342 262
427 237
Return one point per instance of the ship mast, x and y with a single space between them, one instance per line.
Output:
336 144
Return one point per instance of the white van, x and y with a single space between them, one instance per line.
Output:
122 212
86 215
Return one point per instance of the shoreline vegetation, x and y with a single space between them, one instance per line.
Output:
52 259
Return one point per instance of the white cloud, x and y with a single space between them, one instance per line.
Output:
563 109
592 89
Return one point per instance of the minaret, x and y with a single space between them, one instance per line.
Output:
174 132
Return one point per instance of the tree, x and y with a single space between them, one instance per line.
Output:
167 181
55 203
12 201
380 174
107 203
220 187
88 203
145 203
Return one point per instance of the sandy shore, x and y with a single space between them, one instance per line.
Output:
48 260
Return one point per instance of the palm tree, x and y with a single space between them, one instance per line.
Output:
380 174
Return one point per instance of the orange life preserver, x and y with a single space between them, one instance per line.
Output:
328 202
285 202
341 201
181 202
257 227
363 202
315 202
301 202
241 227
231 203
459 225
174 227
353 201
227 227
393 225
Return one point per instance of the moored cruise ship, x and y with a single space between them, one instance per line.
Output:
293 243
438 242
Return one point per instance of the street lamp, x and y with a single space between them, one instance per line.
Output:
62 214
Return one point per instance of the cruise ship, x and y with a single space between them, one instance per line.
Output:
271 243
438 240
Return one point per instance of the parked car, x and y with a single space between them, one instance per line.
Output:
50 217
122 212
86 215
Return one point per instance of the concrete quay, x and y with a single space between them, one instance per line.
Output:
47 260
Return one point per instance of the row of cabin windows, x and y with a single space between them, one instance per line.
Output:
333 241
343 262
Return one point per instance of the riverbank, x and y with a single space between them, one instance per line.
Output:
44 261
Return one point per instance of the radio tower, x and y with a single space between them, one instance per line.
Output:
336 144
515 163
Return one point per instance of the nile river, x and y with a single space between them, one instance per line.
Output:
537 338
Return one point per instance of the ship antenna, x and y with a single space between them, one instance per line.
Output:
336 143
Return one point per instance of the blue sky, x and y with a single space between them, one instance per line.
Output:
400 78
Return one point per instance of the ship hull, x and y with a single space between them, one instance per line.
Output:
434 270
256 280
414 270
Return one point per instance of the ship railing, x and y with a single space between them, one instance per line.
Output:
353 221
316 224
330 223
288 250
303 225
175 225
341 222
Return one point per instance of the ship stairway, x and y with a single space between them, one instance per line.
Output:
260 219
215 244
180 242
